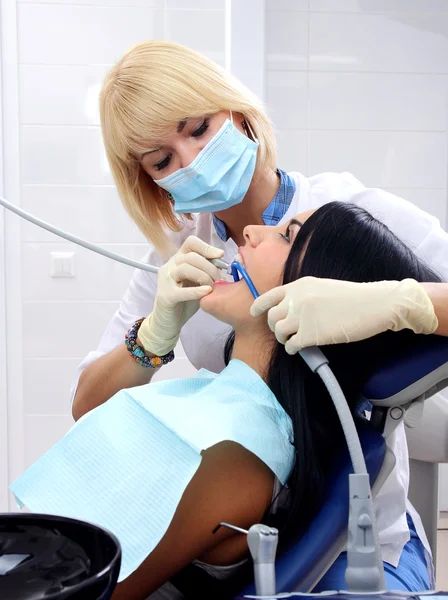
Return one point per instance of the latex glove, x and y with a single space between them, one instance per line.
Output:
316 312
176 299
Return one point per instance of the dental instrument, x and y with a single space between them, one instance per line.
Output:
365 570
237 268
262 542
220 264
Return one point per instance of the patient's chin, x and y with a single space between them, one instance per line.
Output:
228 302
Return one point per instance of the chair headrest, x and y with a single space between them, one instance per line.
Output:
422 369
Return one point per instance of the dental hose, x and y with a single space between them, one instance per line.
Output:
365 569
89 245
318 363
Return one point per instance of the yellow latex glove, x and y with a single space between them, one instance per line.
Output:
316 312
181 283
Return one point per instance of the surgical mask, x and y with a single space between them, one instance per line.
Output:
218 177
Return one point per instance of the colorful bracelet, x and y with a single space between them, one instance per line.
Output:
138 353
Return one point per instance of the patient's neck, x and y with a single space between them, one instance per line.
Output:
254 348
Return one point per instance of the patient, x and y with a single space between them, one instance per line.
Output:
338 241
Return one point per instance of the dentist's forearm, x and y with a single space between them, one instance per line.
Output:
438 293
107 376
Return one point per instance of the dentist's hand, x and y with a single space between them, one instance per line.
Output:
181 283
316 312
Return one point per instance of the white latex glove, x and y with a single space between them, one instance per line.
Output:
176 299
316 312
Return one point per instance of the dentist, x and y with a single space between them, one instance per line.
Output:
193 153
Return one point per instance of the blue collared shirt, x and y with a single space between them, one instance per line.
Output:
276 209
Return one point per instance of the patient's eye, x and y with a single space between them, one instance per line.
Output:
291 231
287 235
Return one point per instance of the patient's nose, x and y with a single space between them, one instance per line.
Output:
253 234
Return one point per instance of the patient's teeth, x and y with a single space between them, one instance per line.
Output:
238 259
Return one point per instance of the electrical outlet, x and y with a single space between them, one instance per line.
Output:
62 264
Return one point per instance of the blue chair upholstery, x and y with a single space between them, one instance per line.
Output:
422 370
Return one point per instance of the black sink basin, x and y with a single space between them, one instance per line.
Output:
48 557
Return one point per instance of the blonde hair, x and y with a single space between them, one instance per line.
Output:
156 85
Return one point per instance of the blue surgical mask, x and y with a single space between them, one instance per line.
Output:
218 177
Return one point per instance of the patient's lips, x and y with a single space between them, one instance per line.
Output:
223 282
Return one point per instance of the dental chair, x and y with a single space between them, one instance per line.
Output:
397 391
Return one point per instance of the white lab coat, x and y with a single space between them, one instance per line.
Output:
203 337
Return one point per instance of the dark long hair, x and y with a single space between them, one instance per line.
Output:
339 241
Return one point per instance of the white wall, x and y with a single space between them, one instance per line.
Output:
362 86
61 50
358 85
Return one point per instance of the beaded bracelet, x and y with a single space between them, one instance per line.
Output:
138 353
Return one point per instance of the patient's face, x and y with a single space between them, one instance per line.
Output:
263 255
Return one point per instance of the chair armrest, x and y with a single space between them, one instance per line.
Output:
428 441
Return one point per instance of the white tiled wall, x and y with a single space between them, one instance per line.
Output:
65 47
62 33
362 85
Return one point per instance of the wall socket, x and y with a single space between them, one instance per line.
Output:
62 264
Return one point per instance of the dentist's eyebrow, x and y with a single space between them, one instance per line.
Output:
150 152
180 127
